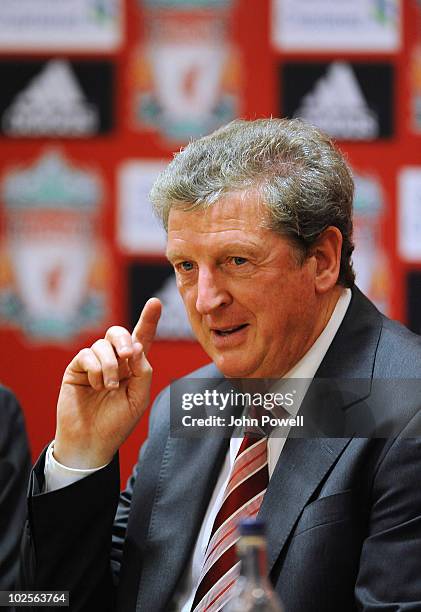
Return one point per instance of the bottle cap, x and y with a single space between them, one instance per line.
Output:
249 527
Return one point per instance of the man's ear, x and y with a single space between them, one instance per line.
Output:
327 253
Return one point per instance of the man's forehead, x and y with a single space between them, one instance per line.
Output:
237 210
220 228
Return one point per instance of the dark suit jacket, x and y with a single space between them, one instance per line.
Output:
343 513
14 476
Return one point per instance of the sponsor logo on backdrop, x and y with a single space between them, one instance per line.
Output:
324 25
409 217
157 279
28 25
186 72
349 101
56 98
52 103
370 259
138 230
54 264
337 105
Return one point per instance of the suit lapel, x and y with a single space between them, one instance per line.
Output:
188 476
301 467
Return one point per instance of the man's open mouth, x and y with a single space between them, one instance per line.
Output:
230 330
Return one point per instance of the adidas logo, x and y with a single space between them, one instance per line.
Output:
337 105
173 322
52 104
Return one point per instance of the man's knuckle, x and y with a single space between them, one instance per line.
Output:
84 356
109 364
116 331
101 343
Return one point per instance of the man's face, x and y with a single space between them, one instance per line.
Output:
252 306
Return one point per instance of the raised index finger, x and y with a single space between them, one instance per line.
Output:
145 329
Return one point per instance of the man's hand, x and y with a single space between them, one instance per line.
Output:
104 392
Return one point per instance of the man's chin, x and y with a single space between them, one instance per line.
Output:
231 363
232 368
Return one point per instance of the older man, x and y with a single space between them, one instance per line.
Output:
259 225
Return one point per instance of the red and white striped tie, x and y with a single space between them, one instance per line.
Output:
242 499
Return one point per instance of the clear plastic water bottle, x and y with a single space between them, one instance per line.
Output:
253 592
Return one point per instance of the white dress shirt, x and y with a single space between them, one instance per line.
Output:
58 475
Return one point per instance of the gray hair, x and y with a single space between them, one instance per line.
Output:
297 171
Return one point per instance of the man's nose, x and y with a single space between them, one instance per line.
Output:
211 293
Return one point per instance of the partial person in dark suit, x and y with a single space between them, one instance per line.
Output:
15 465
259 222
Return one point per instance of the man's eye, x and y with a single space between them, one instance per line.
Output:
239 261
186 266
